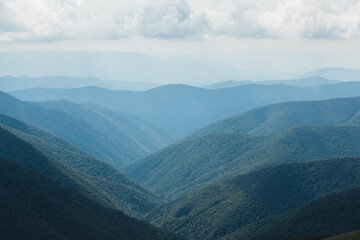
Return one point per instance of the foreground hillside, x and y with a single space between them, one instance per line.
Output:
112 137
33 207
277 117
121 191
333 215
224 207
347 236
196 162
182 109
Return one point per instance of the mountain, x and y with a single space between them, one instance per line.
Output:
277 117
182 109
34 207
192 163
9 83
301 82
333 215
120 191
347 236
341 74
115 138
222 208
117 66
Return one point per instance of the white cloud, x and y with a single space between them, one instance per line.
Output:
52 20
107 19
294 18
172 19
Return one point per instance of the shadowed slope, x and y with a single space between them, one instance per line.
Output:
124 193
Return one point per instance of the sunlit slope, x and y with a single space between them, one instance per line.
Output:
276 117
333 215
222 208
193 163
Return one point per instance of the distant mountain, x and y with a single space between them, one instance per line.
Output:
120 191
9 83
112 137
182 109
277 117
193 163
335 214
118 66
341 74
224 207
301 82
34 207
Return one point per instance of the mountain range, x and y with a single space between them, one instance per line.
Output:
193 163
274 160
112 137
9 83
341 74
181 109
277 117
226 206
333 215
34 207
119 191
300 82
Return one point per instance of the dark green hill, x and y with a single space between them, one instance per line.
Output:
124 193
112 137
33 207
224 207
347 236
196 162
281 116
333 215
182 109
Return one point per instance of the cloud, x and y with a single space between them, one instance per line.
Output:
293 18
48 20
54 20
172 19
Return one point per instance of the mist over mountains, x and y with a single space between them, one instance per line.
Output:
179 120
137 71
116 66
181 108
237 159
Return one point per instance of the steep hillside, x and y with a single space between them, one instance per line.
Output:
124 193
276 117
182 109
333 215
33 207
223 207
347 236
112 137
193 163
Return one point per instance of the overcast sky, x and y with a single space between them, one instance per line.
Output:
249 34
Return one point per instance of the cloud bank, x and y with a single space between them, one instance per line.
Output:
55 20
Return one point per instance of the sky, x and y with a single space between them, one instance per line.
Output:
279 35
